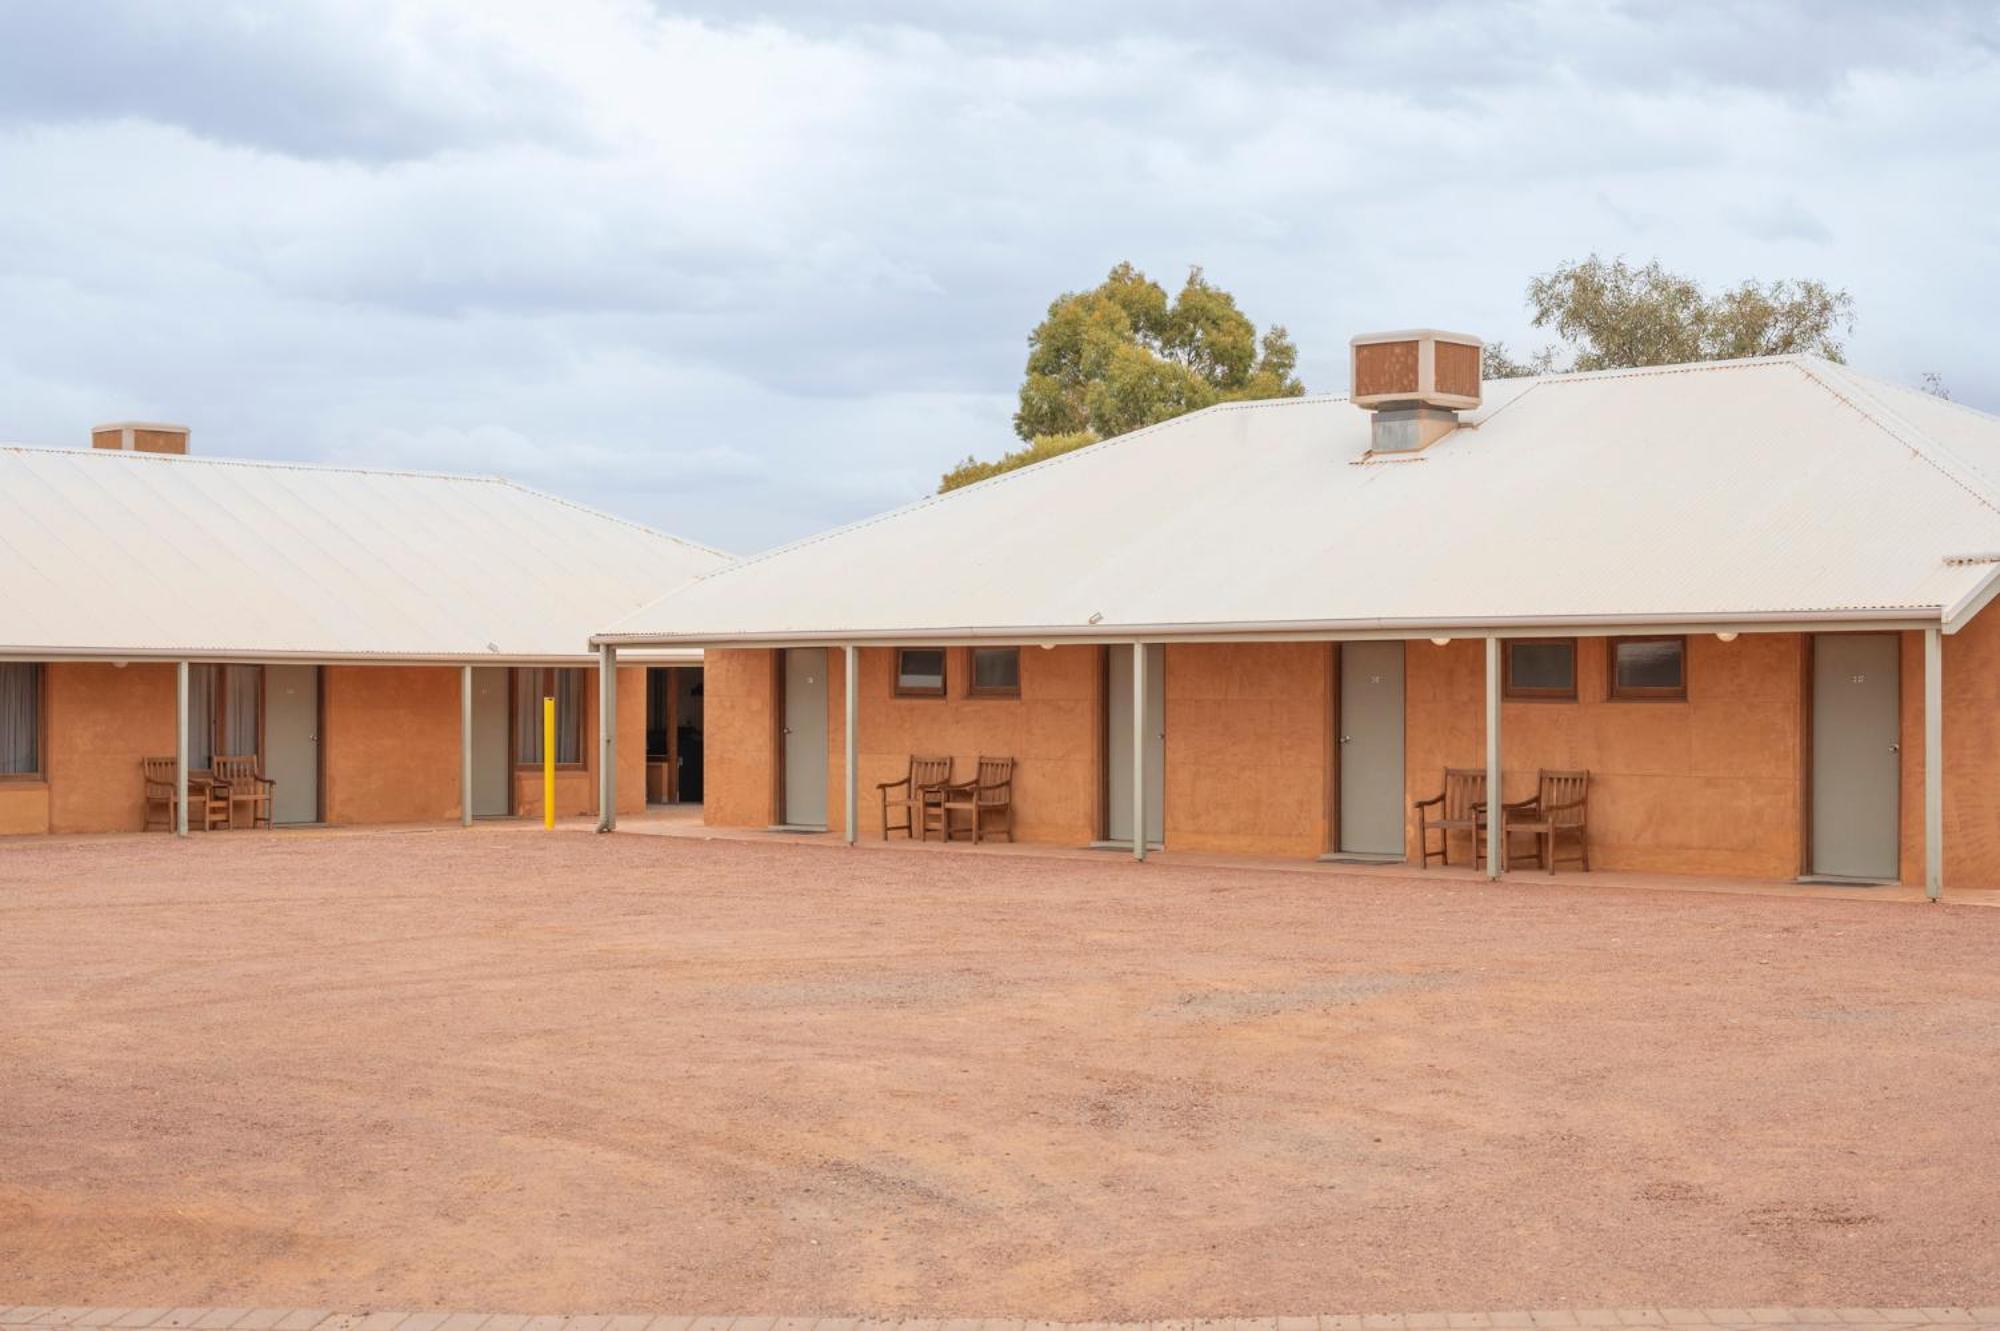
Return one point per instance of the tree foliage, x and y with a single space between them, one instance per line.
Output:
1122 355
1612 315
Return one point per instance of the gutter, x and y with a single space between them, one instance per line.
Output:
1960 612
1311 630
665 654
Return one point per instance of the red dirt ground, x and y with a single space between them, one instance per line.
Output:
497 1069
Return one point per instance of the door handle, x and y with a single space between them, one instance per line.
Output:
1345 738
1895 748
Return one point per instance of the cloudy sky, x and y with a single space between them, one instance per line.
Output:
742 271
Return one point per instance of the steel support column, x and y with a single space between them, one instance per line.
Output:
465 746
850 663
181 748
1139 723
607 738
1496 837
1933 764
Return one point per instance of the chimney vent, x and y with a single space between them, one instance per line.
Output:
1414 383
140 437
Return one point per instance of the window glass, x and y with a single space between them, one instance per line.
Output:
531 685
202 684
1649 666
20 718
996 670
240 708
527 716
569 716
920 670
1542 669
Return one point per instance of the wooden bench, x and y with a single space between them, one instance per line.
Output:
1461 807
923 781
206 796
1560 807
990 794
244 784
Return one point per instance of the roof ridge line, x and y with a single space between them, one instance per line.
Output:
1934 452
1671 367
349 469
274 464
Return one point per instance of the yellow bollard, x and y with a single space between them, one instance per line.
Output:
548 762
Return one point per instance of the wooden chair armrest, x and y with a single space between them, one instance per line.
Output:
891 785
1532 802
1425 804
1573 804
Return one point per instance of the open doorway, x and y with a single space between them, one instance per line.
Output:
673 735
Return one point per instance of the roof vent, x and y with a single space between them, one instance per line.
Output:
1414 383
140 437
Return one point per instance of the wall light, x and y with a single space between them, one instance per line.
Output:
1440 642
1726 637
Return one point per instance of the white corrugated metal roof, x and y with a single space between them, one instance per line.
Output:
130 554
1763 490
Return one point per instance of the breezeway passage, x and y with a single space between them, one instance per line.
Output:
498 1069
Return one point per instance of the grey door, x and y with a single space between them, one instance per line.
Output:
1118 746
1856 755
492 768
291 741
805 737
1371 749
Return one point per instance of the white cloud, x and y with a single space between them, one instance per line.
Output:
746 273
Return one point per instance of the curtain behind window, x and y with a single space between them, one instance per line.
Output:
569 716
239 709
201 717
20 705
527 716
529 685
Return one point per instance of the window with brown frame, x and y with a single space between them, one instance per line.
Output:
1539 670
225 712
20 721
920 672
996 672
1649 669
531 685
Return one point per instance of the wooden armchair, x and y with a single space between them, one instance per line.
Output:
1560 807
244 784
1461 807
924 779
206 797
990 794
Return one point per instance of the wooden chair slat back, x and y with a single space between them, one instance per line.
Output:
1463 788
928 771
1560 788
158 769
234 766
995 772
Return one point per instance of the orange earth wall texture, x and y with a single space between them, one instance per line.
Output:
389 747
1715 784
